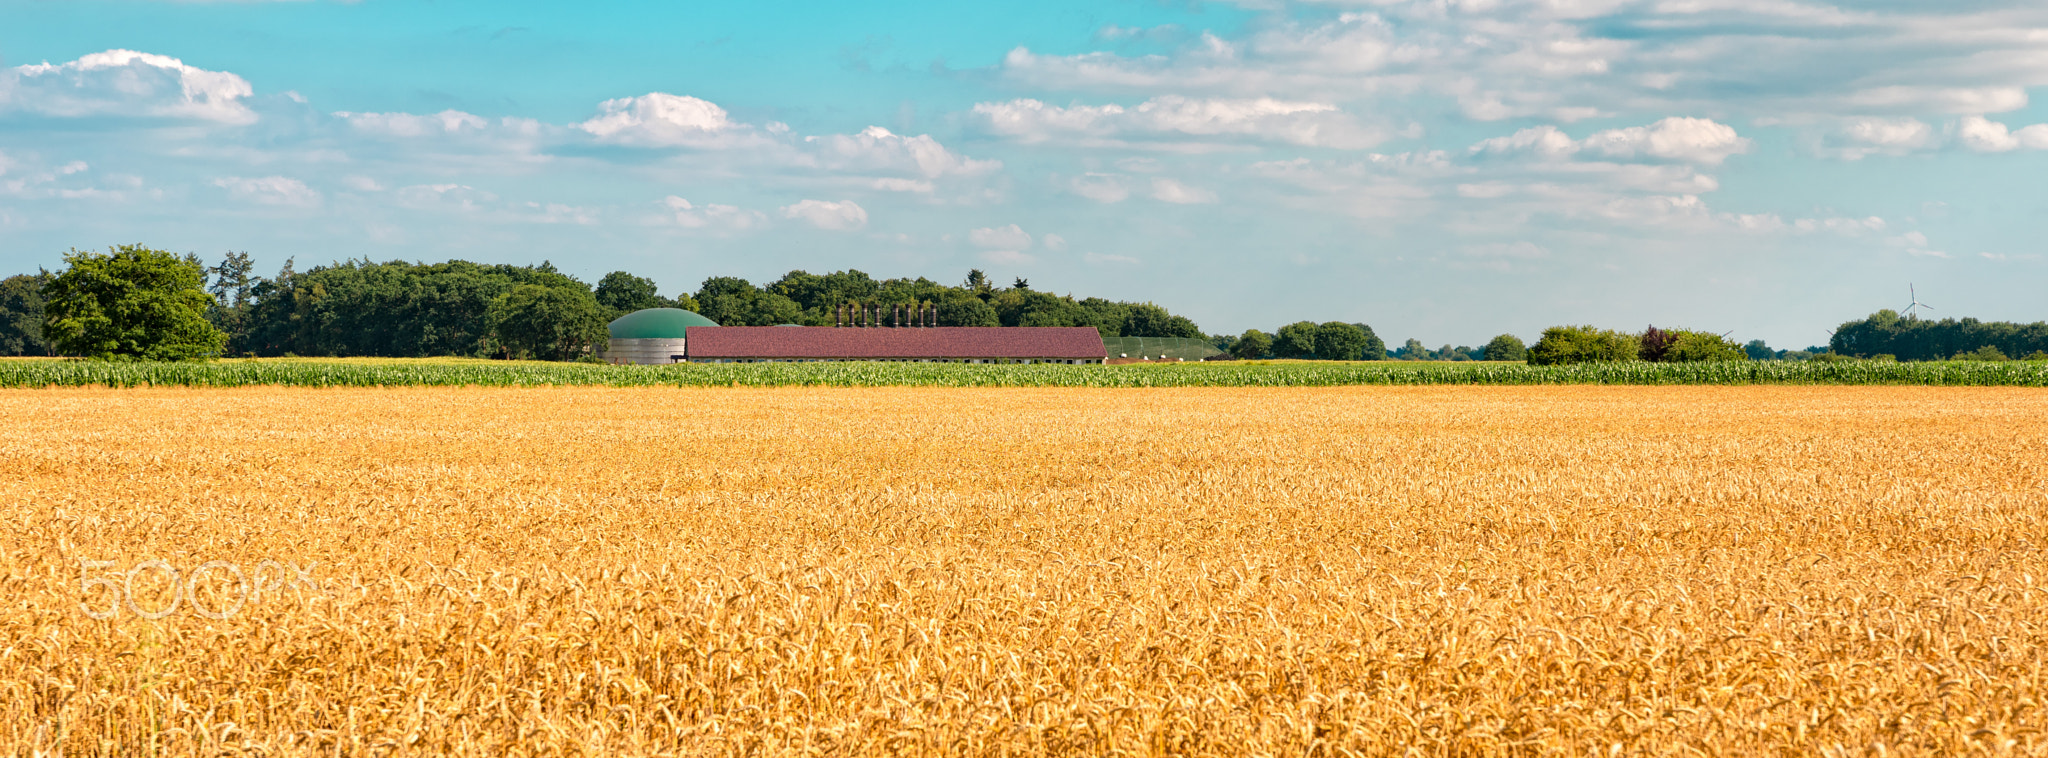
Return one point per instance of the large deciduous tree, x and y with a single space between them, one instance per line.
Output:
1506 347
131 302
21 315
1296 340
1253 344
1337 341
547 323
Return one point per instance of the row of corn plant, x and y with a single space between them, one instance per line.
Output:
857 374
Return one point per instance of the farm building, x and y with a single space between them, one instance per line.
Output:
652 336
667 335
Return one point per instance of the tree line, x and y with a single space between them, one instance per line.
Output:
1886 333
459 308
149 304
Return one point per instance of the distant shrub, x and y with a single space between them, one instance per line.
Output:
1694 347
1506 347
2038 355
1583 344
1985 353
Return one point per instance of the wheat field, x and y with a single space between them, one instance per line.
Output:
1337 571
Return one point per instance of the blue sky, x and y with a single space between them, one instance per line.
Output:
1440 169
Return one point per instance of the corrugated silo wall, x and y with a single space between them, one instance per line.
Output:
646 352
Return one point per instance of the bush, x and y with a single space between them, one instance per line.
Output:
2038 355
1506 347
1582 344
1985 353
1694 347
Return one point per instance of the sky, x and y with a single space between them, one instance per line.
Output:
1445 170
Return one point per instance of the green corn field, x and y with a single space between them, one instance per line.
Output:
866 374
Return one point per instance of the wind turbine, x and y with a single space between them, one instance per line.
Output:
1916 304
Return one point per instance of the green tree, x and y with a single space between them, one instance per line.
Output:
1254 344
1337 341
547 323
232 286
1148 320
1695 347
1506 347
1374 350
1413 350
1296 340
621 293
1758 351
1582 344
132 302
21 315
966 310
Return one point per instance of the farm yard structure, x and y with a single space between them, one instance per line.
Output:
941 344
651 336
669 335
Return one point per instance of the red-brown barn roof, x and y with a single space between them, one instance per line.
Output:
1058 342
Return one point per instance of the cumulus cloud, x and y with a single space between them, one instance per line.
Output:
270 190
1012 237
844 215
1055 242
1170 191
1864 137
876 148
659 119
1101 188
1985 136
1692 140
1175 117
414 125
126 83
1568 61
713 216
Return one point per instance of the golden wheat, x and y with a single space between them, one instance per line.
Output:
1370 571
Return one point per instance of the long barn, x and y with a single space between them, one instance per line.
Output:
667 335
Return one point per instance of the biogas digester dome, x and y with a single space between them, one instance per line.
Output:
650 337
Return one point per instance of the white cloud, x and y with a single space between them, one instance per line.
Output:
894 184
1012 237
414 125
1055 242
713 216
1986 136
126 83
270 190
659 119
1693 140
1170 191
876 148
362 184
844 215
459 198
1101 188
1172 116
1008 257
1863 137
1568 60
